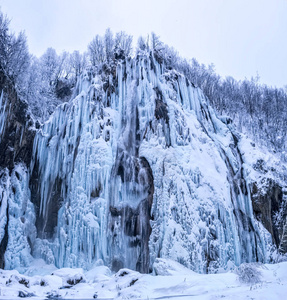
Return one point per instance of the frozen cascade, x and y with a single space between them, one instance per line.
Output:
15 198
73 160
131 185
141 170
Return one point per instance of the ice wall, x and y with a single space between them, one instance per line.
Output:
137 166
17 218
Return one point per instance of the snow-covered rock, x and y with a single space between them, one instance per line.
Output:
168 267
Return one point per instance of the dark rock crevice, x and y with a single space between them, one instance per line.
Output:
46 222
4 242
266 205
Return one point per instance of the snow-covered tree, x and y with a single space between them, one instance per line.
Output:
124 42
96 51
14 54
109 44
142 44
77 63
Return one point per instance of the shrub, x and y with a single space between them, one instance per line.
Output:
249 273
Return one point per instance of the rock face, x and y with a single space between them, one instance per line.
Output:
136 167
16 133
265 206
269 206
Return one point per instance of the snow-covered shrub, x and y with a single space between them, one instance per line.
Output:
249 273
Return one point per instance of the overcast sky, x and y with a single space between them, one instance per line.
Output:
241 37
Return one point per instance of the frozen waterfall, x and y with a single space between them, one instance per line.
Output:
136 166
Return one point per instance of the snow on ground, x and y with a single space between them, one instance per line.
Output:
170 280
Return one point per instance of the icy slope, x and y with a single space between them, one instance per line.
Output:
136 166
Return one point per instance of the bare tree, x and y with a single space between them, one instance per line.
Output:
96 51
156 43
78 62
142 44
124 42
109 44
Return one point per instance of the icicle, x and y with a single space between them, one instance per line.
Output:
2 114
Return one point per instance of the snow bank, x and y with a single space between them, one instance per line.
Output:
127 284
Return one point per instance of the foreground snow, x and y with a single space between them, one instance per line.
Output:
171 281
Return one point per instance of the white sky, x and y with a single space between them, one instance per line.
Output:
241 37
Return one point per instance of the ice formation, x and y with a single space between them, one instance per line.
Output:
132 169
2 113
15 199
